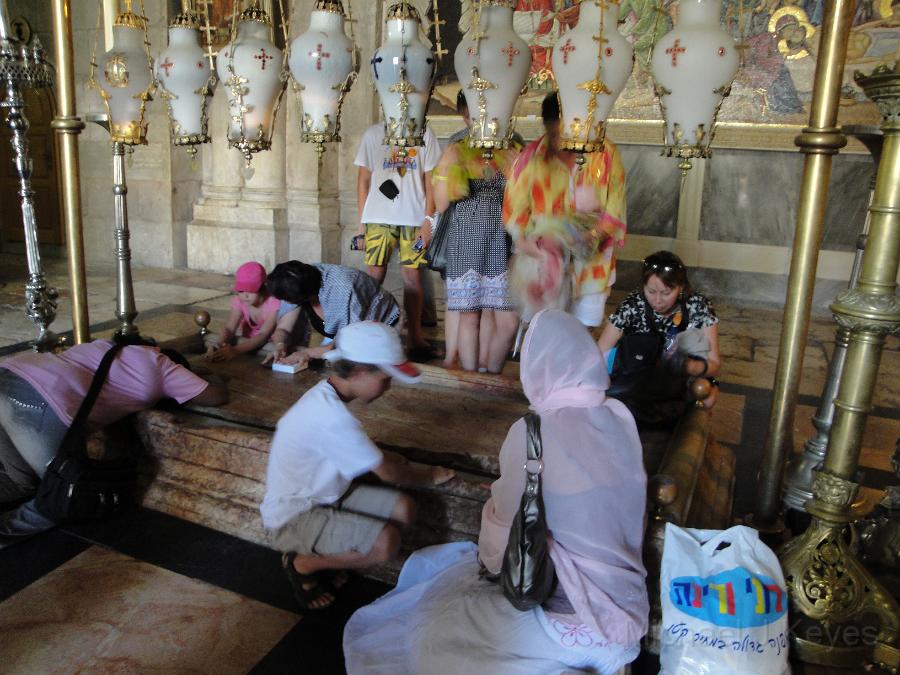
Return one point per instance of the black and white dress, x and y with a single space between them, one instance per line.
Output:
478 250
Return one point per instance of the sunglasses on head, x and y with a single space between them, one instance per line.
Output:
667 266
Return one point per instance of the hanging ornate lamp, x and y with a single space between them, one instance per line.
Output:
694 66
185 76
250 69
126 83
323 64
595 48
403 68
492 64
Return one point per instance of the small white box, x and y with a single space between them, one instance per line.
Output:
291 368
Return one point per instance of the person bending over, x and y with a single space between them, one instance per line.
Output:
313 510
252 320
327 297
40 394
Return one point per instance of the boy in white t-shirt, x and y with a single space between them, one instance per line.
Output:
395 200
313 511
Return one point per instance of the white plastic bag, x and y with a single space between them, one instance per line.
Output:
724 604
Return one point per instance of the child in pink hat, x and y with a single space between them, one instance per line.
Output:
253 317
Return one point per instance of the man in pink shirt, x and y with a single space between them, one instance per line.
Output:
40 394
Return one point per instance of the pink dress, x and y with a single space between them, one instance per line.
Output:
249 328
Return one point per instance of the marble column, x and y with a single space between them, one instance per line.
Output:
313 215
242 212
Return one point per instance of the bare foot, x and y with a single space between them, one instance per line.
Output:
440 475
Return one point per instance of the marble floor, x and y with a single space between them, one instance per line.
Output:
152 594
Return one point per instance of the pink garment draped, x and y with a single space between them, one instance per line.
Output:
594 483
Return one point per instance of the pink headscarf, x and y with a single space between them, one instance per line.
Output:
561 364
594 484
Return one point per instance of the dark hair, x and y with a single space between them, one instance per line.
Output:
176 356
293 281
344 369
669 268
461 102
550 108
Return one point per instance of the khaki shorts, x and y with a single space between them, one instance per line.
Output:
381 240
352 524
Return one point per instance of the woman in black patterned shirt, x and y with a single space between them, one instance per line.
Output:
685 321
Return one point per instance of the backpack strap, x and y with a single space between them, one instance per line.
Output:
84 410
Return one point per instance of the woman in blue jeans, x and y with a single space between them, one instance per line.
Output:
39 396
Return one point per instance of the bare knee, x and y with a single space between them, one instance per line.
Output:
469 319
404 512
386 546
412 278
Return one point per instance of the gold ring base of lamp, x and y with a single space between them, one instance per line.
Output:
128 134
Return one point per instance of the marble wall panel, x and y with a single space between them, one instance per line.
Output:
652 191
751 197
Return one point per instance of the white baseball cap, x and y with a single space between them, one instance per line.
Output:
377 344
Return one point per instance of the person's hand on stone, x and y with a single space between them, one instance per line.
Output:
223 353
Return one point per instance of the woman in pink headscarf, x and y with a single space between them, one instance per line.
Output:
444 618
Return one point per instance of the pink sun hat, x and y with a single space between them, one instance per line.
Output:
249 278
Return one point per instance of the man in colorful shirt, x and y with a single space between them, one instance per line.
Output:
566 222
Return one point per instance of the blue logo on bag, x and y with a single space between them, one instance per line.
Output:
734 599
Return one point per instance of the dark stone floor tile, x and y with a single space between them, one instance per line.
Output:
28 561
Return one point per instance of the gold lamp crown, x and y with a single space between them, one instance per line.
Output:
129 19
255 13
187 18
403 11
335 6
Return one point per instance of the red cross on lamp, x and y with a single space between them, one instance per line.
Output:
693 66
253 89
591 70
492 64
186 81
323 64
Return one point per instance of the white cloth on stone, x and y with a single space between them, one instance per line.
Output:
442 618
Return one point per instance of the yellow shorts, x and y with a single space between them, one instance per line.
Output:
382 239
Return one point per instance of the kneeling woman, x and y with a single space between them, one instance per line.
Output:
444 617
687 346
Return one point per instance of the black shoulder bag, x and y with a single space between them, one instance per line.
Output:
436 253
635 360
77 488
528 577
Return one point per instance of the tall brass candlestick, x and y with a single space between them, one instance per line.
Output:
798 484
68 126
831 593
820 141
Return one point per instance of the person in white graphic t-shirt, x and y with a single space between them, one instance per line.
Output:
394 201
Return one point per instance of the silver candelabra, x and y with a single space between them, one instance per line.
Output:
25 66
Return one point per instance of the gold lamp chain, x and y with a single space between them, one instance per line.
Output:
92 78
144 22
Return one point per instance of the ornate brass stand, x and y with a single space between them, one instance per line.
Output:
25 66
125 308
840 613
820 141
798 484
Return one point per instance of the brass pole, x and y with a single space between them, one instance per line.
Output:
819 142
871 310
68 126
827 585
